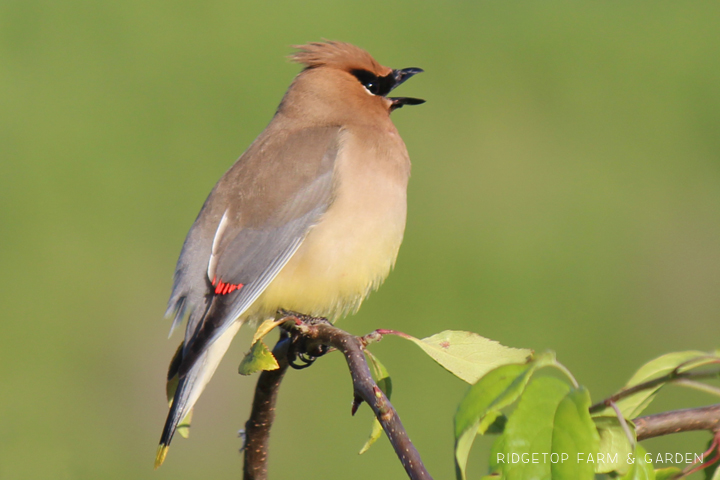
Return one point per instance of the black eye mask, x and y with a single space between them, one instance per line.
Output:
375 85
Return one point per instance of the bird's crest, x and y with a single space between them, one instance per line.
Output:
343 56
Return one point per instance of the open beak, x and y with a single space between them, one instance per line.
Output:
400 77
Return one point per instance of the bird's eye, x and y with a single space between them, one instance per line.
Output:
374 84
368 80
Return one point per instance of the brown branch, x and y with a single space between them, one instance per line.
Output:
650 384
257 428
676 421
323 333
308 337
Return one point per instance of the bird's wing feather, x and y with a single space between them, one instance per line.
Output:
249 227
258 215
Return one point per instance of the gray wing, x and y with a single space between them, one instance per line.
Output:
250 226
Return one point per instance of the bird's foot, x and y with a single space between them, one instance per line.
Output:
299 351
301 354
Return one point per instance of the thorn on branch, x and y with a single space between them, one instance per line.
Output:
357 401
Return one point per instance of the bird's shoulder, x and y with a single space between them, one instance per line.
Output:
279 166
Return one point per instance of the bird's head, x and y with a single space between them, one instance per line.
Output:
340 77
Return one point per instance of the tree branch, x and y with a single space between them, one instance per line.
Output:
310 337
676 421
366 390
257 428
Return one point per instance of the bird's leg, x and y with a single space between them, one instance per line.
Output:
300 349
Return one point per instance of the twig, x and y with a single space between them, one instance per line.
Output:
701 418
257 428
650 384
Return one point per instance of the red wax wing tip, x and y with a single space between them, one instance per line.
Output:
223 288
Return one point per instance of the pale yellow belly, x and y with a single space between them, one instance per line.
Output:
347 254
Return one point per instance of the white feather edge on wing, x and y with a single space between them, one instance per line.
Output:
212 263
178 310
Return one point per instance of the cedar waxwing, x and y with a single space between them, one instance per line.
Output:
309 219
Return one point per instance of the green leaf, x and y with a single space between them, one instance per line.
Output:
258 358
382 378
574 434
640 469
522 451
183 428
498 425
633 405
669 473
375 434
481 405
614 445
494 391
706 359
468 355
483 402
711 474
264 328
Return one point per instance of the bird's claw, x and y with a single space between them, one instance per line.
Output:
306 358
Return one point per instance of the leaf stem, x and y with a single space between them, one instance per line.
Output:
703 387
567 372
624 425
383 331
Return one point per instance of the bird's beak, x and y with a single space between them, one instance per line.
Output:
400 77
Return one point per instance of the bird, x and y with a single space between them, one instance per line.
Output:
309 219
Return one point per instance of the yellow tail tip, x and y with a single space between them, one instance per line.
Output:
161 454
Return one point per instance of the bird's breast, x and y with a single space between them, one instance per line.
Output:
354 246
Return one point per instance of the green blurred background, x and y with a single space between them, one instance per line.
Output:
565 194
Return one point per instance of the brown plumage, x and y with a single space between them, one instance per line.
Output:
309 219
338 55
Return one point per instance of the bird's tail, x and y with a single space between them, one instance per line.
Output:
190 385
